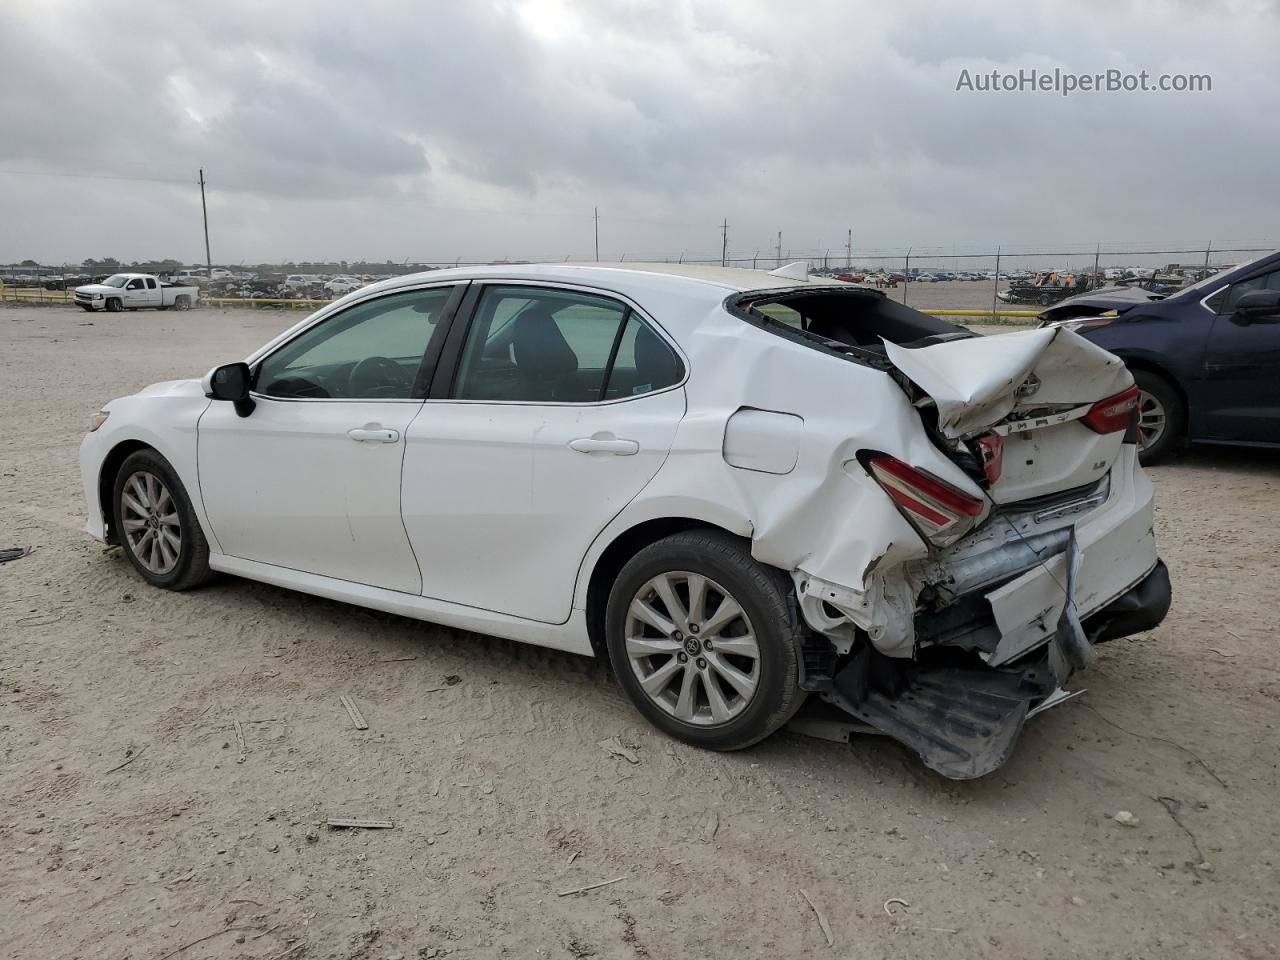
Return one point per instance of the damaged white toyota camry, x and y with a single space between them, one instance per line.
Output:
739 488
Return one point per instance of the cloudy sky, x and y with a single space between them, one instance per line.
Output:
402 129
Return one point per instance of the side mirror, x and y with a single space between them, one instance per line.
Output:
231 381
1257 305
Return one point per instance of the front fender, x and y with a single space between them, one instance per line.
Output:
166 422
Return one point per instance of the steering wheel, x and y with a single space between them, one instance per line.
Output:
378 377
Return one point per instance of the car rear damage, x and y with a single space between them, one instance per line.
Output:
1030 535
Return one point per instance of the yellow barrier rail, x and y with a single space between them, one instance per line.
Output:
39 295
35 295
981 313
263 301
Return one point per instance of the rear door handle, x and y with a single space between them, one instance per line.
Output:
372 433
605 444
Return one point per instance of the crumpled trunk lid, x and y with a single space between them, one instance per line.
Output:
1032 387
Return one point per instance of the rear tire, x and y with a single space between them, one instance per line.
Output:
1162 417
155 524
721 680
182 303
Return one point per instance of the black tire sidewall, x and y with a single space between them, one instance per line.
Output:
762 596
193 555
1175 415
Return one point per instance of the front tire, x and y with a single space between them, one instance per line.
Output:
1161 417
114 305
702 639
156 525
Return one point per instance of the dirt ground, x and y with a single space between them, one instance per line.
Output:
487 757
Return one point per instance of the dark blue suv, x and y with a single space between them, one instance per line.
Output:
1206 359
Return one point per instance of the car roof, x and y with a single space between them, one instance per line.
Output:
686 278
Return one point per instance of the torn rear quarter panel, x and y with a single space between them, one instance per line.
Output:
776 424
793 421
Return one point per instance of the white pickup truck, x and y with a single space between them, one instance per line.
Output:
131 291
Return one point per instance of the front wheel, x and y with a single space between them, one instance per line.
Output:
156 525
701 637
114 305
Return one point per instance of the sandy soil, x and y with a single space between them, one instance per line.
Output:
487 757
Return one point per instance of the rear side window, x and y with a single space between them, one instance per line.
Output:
644 362
542 345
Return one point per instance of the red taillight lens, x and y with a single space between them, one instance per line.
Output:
1112 414
939 510
991 446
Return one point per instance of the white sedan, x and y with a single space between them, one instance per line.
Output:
739 488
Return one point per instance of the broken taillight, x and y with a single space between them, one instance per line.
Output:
991 447
1112 414
939 511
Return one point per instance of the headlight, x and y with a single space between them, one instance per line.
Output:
98 419
97 296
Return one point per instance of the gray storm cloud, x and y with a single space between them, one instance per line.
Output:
424 131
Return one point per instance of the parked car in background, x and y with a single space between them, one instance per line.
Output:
1206 358
135 291
339 286
654 465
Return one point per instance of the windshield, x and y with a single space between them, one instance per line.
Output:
1214 279
116 280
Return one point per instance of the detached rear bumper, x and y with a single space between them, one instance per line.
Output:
1018 628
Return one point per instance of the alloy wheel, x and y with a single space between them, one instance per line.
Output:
1152 420
691 646
151 524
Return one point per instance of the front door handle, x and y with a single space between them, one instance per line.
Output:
605 443
372 433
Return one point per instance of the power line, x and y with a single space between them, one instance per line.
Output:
95 176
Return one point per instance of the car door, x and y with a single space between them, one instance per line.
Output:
135 293
310 480
1242 369
553 408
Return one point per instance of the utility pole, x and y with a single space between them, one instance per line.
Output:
995 290
724 241
848 251
597 220
208 261
779 263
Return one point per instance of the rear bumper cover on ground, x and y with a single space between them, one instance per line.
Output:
964 719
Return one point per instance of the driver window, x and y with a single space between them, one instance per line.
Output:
1267 281
371 351
134 284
